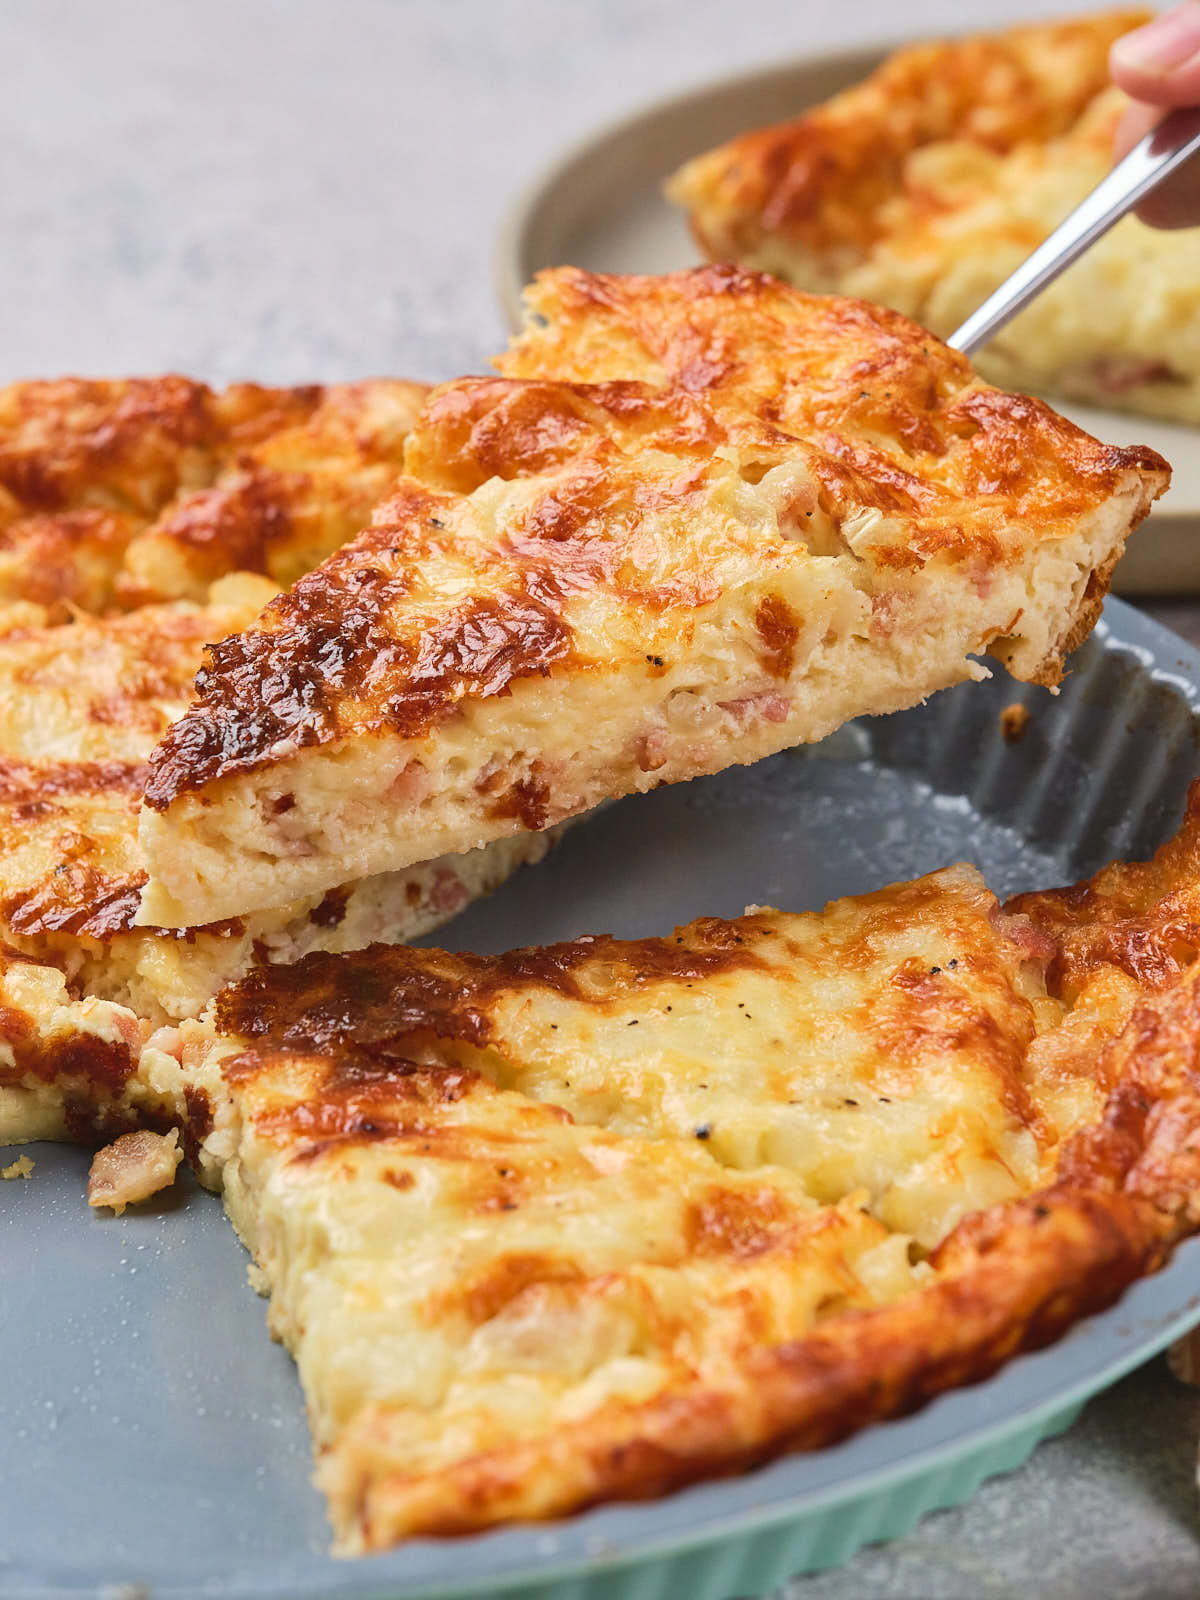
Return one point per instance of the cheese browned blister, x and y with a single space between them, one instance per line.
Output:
923 187
118 492
699 519
594 1220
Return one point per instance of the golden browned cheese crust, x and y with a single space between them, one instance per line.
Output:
925 185
118 492
599 1219
1139 919
1131 931
702 476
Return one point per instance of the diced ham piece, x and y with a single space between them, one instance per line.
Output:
410 785
132 1168
1116 374
1030 940
449 892
652 749
766 707
490 776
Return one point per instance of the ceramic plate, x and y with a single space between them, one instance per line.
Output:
154 1436
601 206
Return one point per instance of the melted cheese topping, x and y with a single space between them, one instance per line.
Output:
924 187
119 492
702 518
877 1048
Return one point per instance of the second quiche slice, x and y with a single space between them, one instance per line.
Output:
593 1220
699 519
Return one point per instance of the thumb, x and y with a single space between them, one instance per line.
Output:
1159 63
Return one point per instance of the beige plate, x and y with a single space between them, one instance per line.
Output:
601 207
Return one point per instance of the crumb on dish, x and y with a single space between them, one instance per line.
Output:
132 1168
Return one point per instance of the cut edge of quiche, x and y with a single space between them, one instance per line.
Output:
701 518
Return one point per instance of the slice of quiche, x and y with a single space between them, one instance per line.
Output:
118 492
924 186
700 518
595 1220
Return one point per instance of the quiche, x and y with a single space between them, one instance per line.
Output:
594 1220
84 697
924 186
68 1063
697 519
115 492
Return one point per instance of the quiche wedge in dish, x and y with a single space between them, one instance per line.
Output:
698 519
594 1220
116 492
926 185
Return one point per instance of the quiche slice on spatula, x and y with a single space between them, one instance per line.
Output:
700 518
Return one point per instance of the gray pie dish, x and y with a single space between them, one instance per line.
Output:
155 1441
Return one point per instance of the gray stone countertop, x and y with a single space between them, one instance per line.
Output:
310 189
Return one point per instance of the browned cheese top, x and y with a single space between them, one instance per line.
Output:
114 492
592 494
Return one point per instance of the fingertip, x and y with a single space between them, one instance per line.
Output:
1176 203
1178 87
1160 61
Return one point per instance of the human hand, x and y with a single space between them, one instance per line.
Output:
1158 66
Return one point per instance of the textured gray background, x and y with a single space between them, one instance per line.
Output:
310 190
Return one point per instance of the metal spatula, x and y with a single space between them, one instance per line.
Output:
1154 158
